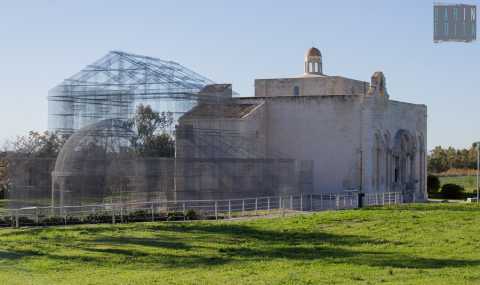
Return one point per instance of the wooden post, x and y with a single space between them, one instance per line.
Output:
216 213
268 204
256 206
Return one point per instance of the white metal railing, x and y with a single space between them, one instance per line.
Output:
204 209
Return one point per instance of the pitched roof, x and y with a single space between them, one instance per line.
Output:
212 111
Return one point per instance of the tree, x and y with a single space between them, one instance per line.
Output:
433 184
3 175
438 160
32 145
151 137
37 144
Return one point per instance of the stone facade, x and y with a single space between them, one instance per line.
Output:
355 136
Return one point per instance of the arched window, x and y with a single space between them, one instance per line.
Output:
296 91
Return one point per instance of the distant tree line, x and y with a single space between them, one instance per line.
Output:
443 159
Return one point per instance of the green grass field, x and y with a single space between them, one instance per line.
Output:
468 182
416 244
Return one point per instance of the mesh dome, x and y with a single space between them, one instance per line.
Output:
97 164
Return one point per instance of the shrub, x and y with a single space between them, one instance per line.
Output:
433 184
139 215
98 218
24 221
175 216
51 221
452 191
5 222
191 215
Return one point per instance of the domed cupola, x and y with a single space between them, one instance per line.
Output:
313 62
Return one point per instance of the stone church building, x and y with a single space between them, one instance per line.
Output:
347 132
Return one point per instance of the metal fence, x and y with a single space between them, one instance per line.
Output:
191 209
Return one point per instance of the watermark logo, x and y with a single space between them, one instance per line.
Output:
454 23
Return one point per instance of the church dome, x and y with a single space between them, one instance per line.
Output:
313 51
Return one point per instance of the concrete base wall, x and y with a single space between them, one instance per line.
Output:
207 179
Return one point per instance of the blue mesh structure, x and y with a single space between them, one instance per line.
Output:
111 87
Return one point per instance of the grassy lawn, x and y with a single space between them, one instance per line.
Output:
468 182
416 244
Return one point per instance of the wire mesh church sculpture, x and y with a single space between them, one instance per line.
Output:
214 157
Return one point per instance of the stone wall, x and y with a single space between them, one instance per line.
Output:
324 129
310 86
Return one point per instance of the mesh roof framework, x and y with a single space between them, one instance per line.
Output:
112 86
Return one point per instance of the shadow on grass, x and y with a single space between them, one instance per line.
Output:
217 244
148 242
238 232
17 254
342 256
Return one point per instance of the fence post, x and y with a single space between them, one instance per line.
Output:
152 208
383 198
301 202
113 215
268 204
216 213
121 213
36 215
311 202
229 209
243 207
337 201
256 205
291 202
17 219
321 201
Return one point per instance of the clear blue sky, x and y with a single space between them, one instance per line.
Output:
43 42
